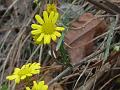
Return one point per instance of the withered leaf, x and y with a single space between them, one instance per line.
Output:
83 30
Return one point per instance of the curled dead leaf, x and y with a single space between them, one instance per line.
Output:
82 31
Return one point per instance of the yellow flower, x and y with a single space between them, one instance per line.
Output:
38 86
51 7
47 30
26 70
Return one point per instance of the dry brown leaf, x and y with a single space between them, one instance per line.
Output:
82 31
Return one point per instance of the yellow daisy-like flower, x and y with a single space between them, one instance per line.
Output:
47 30
38 86
26 70
51 7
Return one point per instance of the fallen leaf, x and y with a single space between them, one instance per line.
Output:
82 31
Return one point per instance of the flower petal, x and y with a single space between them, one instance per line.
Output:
60 28
51 16
29 74
45 87
17 80
35 71
40 37
57 34
11 77
45 16
36 26
53 37
54 20
23 77
47 39
34 83
41 83
35 32
27 88
16 71
39 19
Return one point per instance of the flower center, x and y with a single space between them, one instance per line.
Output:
24 72
52 9
48 28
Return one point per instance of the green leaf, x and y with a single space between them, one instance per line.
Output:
4 87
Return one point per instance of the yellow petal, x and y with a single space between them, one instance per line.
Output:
41 83
16 71
23 66
17 80
60 28
45 87
40 37
27 88
36 26
35 83
39 19
11 77
35 71
45 16
29 74
37 42
51 16
23 77
57 34
54 20
42 86
53 37
35 32
47 39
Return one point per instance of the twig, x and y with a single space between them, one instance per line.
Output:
76 65
7 11
81 75
98 74
22 30
109 81
106 6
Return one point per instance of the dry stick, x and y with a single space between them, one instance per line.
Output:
117 28
4 64
33 53
4 39
97 75
7 11
81 75
94 18
76 65
87 76
20 47
22 30
106 6
40 55
71 75
109 81
30 58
